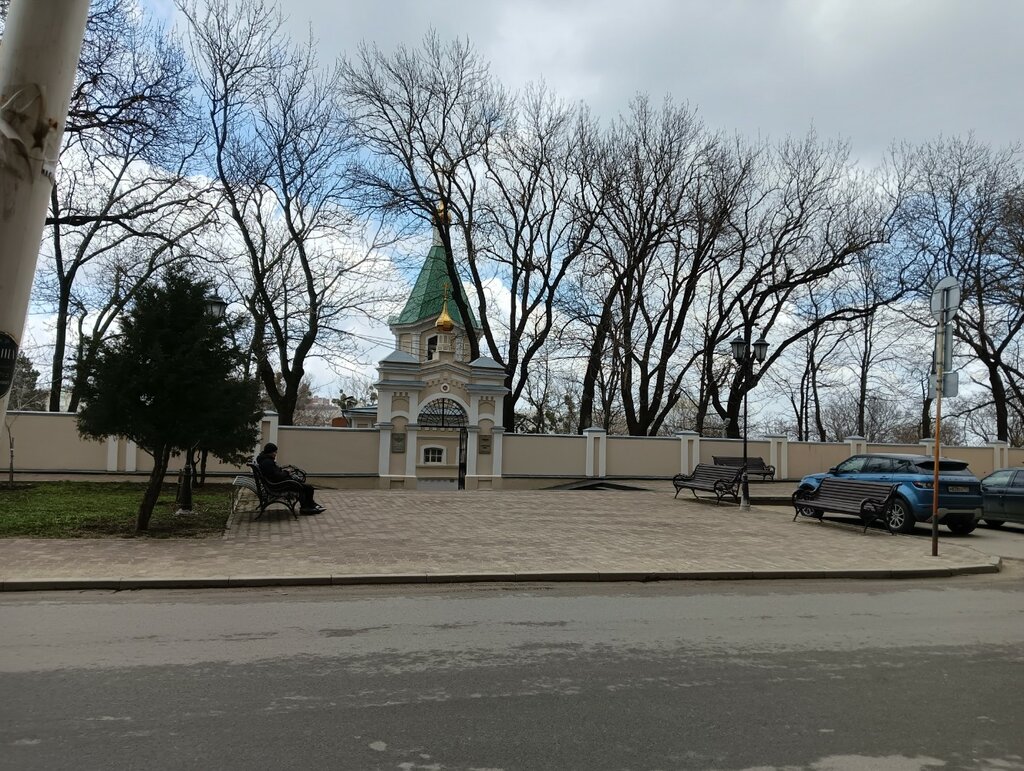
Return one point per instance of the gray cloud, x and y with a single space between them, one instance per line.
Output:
872 71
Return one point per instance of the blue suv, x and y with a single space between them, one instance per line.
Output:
960 501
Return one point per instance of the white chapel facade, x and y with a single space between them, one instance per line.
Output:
438 414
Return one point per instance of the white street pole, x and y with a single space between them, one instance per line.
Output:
38 59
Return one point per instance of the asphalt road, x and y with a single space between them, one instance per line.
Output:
836 676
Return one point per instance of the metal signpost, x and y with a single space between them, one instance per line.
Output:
945 304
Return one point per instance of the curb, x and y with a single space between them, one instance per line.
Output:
993 565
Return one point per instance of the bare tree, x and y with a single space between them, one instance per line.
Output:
667 184
279 147
808 216
542 198
516 181
958 220
425 118
122 181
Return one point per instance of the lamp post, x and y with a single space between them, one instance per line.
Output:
744 353
215 308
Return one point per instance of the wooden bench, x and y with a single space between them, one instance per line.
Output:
720 480
288 492
867 500
755 466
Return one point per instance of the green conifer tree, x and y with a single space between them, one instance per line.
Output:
171 381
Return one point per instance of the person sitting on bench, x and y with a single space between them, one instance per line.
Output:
267 462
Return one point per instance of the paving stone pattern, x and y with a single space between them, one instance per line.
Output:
405 535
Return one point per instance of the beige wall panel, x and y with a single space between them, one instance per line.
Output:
980 459
50 440
815 457
903 449
756 448
329 450
642 456
1017 456
543 455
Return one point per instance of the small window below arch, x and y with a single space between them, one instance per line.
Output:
431 347
433 455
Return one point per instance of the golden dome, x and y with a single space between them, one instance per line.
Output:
444 321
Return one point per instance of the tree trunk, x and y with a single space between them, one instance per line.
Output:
203 458
999 403
594 366
161 456
59 346
508 416
10 469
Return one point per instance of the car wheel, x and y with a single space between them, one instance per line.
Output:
961 526
994 523
899 517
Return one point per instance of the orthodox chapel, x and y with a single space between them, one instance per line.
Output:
438 414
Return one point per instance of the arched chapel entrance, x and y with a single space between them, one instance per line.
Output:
443 438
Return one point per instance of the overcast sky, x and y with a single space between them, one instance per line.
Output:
870 71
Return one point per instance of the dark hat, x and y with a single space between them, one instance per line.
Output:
269 447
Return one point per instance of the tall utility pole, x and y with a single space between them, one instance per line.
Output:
38 60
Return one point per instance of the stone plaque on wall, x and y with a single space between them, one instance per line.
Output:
485 444
398 442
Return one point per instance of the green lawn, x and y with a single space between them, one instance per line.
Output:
106 510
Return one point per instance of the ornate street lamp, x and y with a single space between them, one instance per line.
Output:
216 307
745 355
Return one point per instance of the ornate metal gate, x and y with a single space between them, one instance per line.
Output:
448 415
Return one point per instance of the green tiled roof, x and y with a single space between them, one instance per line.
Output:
427 295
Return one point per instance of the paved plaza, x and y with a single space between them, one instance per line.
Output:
370 536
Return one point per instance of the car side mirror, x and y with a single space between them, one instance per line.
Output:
834 470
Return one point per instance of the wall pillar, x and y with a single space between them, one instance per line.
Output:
778 454
268 430
411 449
384 454
689 451
131 457
472 447
856 444
497 433
928 446
112 443
1000 454
597 452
